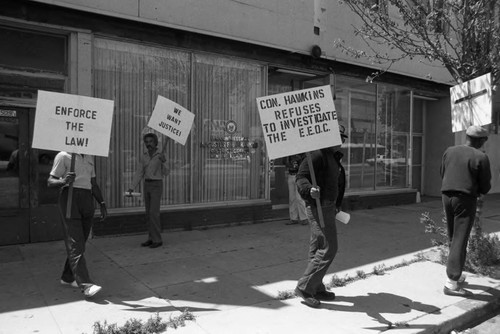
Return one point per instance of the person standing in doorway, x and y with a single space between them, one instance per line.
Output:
152 168
466 175
296 205
323 242
79 224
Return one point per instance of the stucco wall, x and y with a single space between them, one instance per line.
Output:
287 25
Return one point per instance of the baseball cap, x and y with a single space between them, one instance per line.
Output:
476 131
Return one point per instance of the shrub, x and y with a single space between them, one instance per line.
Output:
483 250
153 325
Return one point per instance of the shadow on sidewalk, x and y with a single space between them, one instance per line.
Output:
376 304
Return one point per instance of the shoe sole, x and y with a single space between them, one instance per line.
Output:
454 293
307 300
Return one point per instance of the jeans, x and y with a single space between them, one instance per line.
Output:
460 210
152 197
76 232
322 249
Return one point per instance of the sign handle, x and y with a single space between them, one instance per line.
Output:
70 189
313 178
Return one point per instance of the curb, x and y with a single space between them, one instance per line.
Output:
468 319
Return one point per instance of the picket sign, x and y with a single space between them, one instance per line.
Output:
74 124
297 122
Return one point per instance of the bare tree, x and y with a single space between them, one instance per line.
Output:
463 35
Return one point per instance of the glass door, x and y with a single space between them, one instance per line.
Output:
14 176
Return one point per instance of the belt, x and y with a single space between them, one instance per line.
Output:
151 180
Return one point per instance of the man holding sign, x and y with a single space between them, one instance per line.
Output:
78 222
152 168
330 189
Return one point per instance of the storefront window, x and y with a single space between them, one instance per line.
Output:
229 156
133 76
224 156
378 120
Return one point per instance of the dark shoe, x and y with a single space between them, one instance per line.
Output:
304 222
147 243
325 295
292 222
458 292
309 299
155 244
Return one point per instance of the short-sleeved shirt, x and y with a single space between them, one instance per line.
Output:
84 168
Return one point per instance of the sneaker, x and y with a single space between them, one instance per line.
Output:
91 290
304 222
72 284
462 279
292 222
458 292
308 299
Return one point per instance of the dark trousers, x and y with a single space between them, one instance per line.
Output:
322 249
460 211
152 197
76 232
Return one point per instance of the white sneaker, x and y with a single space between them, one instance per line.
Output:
91 290
72 284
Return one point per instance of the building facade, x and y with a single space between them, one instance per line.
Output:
214 58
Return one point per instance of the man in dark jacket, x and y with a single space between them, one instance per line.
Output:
466 174
330 177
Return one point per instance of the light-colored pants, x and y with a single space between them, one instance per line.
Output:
297 206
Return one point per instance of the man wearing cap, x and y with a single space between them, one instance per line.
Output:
330 177
466 175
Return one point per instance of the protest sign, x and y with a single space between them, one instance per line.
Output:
299 121
171 119
72 123
471 103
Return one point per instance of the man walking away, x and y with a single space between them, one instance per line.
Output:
466 174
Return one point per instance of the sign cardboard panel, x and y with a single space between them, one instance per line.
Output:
73 123
299 121
171 120
471 103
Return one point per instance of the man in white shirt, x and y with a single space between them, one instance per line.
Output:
79 224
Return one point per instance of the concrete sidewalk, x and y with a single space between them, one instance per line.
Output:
230 277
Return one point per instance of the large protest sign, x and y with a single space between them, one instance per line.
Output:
171 119
73 123
299 121
471 103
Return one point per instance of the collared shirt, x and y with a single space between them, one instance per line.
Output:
150 168
84 168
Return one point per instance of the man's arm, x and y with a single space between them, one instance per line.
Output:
96 192
484 176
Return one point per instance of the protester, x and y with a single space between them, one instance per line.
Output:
323 247
466 174
79 224
296 205
152 168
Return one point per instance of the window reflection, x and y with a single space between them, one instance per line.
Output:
378 143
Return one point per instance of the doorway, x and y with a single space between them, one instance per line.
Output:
28 208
